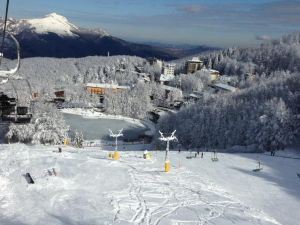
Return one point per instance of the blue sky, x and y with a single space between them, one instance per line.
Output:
209 22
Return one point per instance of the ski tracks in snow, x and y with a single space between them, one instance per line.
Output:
180 197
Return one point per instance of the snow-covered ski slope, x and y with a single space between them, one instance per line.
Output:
89 189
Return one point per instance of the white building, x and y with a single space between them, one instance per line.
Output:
169 69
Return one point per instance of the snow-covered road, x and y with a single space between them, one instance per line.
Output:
92 190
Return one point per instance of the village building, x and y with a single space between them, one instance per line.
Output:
193 65
169 69
214 74
104 88
167 74
59 96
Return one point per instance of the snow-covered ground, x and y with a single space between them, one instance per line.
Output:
90 189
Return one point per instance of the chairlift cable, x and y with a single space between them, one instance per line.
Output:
4 29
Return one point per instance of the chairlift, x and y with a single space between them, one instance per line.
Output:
11 109
6 75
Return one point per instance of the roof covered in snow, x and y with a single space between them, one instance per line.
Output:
209 70
195 60
106 85
225 87
168 65
166 77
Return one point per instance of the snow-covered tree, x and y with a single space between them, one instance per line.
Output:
46 127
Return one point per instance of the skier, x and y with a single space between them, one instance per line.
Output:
198 152
179 150
59 149
202 155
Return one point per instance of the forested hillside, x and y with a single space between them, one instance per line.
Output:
265 112
282 54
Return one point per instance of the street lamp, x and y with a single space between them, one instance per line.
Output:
167 139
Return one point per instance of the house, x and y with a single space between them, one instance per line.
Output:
193 65
223 87
214 74
59 96
104 88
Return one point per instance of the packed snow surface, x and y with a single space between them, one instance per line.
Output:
89 189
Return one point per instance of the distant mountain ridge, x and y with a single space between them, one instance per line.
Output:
54 36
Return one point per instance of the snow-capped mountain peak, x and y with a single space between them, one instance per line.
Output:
51 23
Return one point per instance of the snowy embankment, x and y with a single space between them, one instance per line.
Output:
92 114
90 189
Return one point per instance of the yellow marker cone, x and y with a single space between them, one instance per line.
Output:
66 141
167 166
116 155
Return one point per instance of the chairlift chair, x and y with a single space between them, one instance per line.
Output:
21 113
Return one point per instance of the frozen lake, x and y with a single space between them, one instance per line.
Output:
93 129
